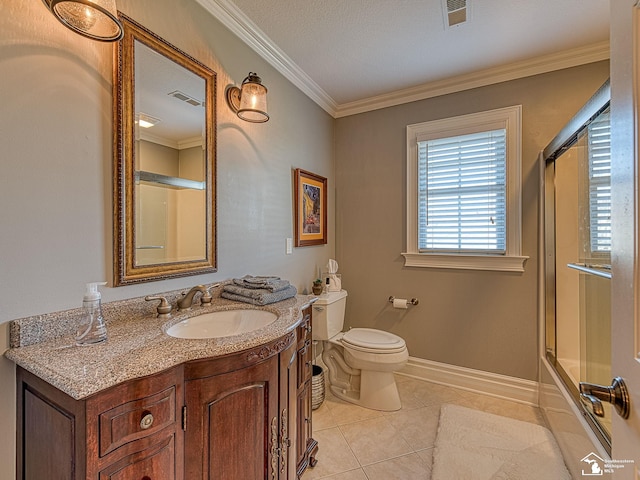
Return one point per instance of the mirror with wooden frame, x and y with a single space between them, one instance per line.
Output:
164 160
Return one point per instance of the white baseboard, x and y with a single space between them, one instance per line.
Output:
493 384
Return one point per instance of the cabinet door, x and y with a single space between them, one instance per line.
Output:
50 431
288 413
304 426
303 409
48 440
232 424
306 446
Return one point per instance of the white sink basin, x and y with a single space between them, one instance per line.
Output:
222 324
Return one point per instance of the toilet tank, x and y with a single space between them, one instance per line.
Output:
328 314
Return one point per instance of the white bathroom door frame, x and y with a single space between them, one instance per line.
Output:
625 183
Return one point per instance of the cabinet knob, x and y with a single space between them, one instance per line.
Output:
146 421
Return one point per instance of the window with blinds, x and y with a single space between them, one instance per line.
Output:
599 141
464 200
462 193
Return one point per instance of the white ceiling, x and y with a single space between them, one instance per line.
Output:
156 77
357 55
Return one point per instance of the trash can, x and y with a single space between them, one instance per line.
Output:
317 387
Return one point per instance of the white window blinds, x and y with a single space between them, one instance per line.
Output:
599 137
462 193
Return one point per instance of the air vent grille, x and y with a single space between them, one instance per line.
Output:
455 12
185 98
453 5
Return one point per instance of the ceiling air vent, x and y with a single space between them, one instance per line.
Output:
185 98
455 12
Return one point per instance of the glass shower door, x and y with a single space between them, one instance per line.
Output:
579 322
595 280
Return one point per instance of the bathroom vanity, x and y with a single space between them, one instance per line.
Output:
230 408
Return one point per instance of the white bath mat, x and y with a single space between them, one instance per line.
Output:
475 445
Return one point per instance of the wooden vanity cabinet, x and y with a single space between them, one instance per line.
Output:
241 416
130 431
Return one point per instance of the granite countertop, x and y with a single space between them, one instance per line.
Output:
137 345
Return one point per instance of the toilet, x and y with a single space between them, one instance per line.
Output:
361 361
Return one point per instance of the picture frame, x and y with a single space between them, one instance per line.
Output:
310 208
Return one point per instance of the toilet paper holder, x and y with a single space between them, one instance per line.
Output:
413 301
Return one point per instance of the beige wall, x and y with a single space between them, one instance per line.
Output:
191 229
168 217
55 185
156 206
481 320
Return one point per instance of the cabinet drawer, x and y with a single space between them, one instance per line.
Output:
154 463
136 419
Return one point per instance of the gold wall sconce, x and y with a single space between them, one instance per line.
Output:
95 19
249 101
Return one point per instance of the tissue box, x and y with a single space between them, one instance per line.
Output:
332 282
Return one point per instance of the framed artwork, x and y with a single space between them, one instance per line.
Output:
310 208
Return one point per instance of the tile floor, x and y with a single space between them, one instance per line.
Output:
361 444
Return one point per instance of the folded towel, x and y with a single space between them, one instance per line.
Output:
257 296
260 279
273 284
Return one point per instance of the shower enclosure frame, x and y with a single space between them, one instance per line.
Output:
564 140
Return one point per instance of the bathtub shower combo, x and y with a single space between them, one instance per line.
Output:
577 265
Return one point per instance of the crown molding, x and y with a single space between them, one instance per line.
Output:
482 78
240 25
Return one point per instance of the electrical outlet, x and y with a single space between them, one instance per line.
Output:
289 248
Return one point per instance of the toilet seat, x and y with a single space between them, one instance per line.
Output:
373 341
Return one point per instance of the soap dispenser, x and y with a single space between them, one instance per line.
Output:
92 329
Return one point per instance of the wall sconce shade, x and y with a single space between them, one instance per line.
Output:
95 19
250 101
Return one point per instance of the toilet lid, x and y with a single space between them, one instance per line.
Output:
369 339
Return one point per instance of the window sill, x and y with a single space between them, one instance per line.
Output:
497 263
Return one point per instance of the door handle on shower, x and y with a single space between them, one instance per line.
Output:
593 404
616 394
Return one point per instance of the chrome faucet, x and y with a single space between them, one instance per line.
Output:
186 301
